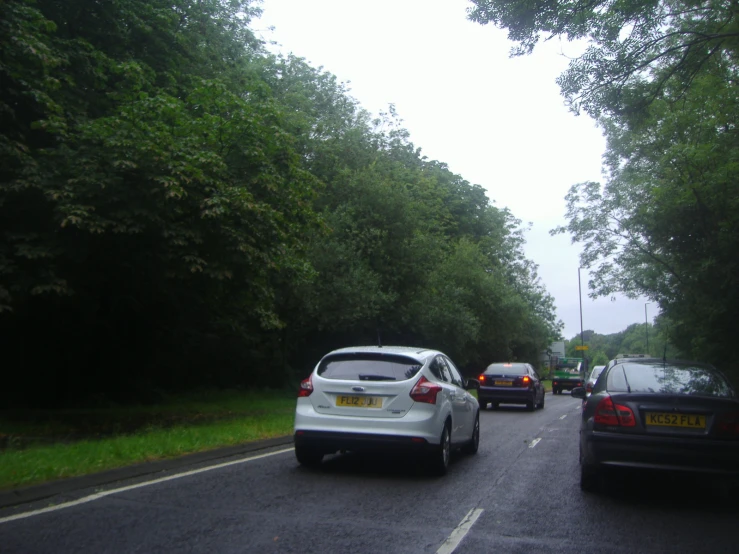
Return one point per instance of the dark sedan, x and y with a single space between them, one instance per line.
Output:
511 383
655 414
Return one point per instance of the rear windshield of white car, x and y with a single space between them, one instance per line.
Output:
668 379
506 369
596 373
369 367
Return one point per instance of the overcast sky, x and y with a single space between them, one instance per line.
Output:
497 121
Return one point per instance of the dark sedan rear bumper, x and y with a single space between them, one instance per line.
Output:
330 441
668 453
505 395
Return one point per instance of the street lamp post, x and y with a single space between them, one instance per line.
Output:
646 326
584 368
579 290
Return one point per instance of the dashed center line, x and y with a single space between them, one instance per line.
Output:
534 443
562 417
453 540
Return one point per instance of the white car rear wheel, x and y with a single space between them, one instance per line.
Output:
439 462
472 446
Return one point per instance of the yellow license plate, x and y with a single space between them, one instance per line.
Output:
690 421
503 383
359 401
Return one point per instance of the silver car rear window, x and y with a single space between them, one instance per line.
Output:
668 379
369 367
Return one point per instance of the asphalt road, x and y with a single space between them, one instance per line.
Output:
520 493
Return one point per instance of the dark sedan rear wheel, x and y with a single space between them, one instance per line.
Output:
308 456
531 404
543 398
589 478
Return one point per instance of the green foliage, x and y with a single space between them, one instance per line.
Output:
25 467
661 77
665 224
627 40
180 208
632 340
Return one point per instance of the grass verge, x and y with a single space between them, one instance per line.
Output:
181 426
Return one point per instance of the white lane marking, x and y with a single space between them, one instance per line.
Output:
453 540
103 494
534 443
562 417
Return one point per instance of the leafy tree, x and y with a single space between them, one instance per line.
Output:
631 340
143 205
664 225
627 40
180 208
661 79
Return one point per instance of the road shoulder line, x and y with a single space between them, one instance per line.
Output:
24 495
103 494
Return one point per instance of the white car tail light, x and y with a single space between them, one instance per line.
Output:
306 387
425 391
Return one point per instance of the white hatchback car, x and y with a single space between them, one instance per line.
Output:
397 398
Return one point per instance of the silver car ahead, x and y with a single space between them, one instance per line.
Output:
369 398
592 378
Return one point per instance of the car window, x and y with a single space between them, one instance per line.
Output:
668 379
507 369
439 370
456 377
369 367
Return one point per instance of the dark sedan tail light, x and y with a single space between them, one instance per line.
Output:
728 425
425 391
481 378
614 415
306 387
524 381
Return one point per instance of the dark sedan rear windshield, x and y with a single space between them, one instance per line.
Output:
668 379
507 369
369 367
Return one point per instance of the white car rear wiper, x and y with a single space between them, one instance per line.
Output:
366 377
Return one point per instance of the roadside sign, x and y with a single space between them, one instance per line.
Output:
584 347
